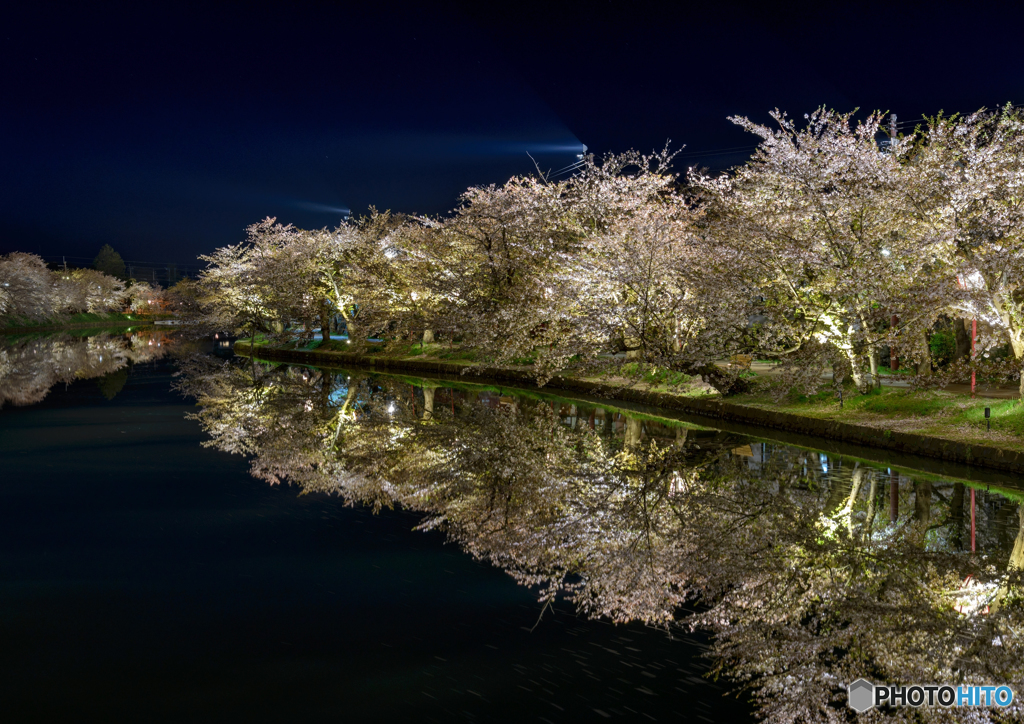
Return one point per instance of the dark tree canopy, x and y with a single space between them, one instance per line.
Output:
109 262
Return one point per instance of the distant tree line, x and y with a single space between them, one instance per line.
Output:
32 292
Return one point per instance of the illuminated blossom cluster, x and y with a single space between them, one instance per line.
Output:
807 253
29 291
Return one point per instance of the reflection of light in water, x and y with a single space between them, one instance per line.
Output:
974 597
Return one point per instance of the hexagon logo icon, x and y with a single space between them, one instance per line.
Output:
862 695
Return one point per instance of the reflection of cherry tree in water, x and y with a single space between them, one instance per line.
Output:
30 367
805 581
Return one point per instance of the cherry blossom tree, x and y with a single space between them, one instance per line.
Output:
102 292
822 215
142 297
967 178
26 283
234 293
67 294
650 278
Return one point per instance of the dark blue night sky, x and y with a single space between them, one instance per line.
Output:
165 128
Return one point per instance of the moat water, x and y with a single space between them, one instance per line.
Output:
187 536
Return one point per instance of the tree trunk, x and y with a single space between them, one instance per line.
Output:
851 500
956 515
1001 520
873 361
325 321
326 388
350 327
632 347
963 339
1016 560
922 510
865 532
1017 554
428 336
428 403
857 371
924 367
634 428
836 496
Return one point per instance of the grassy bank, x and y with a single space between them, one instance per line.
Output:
945 415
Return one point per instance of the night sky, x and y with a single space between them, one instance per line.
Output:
165 128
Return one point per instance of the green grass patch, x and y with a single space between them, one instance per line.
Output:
1007 415
903 403
654 375
819 398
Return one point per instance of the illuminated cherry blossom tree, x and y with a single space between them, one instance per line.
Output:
966 183
822 214
26 283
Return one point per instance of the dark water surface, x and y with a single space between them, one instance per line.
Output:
147 578
146 574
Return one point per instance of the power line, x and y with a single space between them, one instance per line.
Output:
716 151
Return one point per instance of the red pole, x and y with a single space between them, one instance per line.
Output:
974 337
972 520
